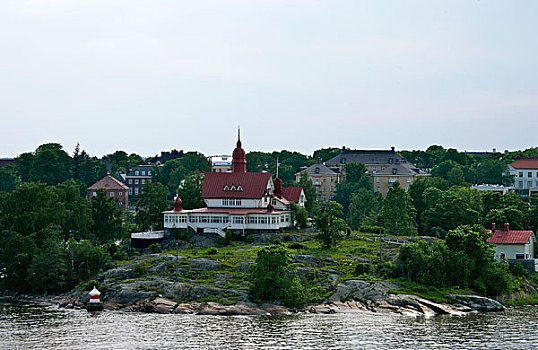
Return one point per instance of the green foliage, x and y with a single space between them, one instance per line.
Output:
155 248
364 204
309 191
249 239
465 259
191 191
362 269
326 154
296 246
85 260
355 178
300 215
150 206
106 217
212 251
332 227
50 164
397 212
273 278
48 270
8 179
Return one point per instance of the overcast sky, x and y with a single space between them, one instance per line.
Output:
147 76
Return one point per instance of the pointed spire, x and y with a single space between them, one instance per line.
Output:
238 136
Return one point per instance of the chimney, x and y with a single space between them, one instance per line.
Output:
507 226
493 228
393 148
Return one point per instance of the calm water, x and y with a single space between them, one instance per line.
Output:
30 326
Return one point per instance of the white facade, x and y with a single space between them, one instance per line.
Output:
525 180
504 252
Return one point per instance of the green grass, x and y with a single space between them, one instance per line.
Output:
526 300
438 295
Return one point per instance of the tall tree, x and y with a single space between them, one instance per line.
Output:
397 212
330 224
107 223
150 207
8 179
191 191
309 191
51 164
364 204
355 179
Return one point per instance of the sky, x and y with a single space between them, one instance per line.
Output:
149 76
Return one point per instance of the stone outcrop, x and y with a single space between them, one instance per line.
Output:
477 303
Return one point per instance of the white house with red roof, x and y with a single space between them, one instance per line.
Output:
239 201
512 244
525 174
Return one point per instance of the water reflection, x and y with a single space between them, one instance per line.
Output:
30 326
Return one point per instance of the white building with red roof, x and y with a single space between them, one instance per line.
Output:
238 201
512 244
525 174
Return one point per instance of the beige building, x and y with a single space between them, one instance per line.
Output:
384 167
221 164
324 180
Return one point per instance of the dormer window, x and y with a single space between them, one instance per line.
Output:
394 170
232 188
343 160
239 188
316 170
390 160
226 188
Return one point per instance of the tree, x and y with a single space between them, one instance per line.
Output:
326 154
355 178
51 164
309 191
85 261
195 162
300 215
416 191
273 279
397 212
107 223
150 207
332 227
8 179
191 191
364 204
48 271
16 256
86 169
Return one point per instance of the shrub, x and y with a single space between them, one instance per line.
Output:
297 246
249 239
155 248
277 241
519 270
212 251
362 269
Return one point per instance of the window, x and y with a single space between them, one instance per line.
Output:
130 182
136 191
239 188
520 184
193 219
390 160
394 171
130 191
529 174
149 172
520 256
382 168
143 172
377 180
343 160
520 174
137 173
409 179
316 171
378 189
120 194
136 182
252 220
374 169
273 202
111 194
142 181
94 194
238 220
332 188
529 184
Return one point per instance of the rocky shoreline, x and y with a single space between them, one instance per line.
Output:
363 296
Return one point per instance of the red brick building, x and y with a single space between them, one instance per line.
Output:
114 188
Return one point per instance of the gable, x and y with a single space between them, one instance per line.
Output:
235 185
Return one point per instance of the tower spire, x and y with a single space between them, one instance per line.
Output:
239 162
238 136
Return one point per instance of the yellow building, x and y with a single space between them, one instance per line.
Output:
324 180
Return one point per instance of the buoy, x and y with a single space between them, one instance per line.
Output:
95 302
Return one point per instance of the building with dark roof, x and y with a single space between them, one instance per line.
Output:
384 167
136 178
239 201
114 188
323 178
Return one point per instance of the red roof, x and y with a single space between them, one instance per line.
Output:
292 194
245 185
108 182
510 237
231 211
526 163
